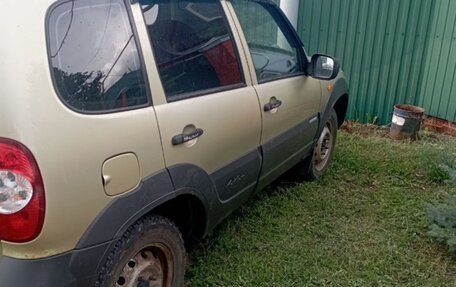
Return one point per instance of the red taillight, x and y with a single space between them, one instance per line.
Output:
22 203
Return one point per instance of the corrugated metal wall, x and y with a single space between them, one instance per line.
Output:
260 30
438 94
393 51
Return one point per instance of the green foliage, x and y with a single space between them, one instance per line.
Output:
81 90
452 174
438 173
442 215
443 222
371 119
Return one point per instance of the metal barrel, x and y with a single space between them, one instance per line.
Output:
406 122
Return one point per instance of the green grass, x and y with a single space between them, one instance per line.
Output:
363 224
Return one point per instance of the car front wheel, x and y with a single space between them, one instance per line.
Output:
316 165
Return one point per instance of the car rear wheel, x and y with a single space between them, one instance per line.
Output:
151 253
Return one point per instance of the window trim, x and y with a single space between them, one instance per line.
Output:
206 92
282 22
149 102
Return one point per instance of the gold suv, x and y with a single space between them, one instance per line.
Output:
130 129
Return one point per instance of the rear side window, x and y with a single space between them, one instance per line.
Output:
193 47
94 58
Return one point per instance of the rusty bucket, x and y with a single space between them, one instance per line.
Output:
406 122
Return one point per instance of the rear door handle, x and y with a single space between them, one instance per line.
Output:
273 104
183 138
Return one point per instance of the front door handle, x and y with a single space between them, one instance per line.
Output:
183 138
272 105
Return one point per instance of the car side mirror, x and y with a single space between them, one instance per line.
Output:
323 67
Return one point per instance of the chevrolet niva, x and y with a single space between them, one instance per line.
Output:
130 129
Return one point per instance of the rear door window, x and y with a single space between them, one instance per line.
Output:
94 57
193 47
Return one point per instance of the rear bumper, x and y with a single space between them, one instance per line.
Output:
75 268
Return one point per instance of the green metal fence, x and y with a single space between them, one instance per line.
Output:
438 93
261 30
392 51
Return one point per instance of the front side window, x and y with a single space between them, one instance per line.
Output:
94 57
274 52
192 46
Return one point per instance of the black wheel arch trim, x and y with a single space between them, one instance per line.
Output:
124 210
340 88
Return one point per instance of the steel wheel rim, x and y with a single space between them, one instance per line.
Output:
323 149
152 266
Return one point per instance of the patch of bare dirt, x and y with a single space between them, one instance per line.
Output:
365 130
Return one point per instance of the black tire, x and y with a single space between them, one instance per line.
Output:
315 166
154 246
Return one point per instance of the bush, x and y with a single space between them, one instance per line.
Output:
442 216
438 173
452 175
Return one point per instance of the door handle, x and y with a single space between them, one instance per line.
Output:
273 104
183 138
